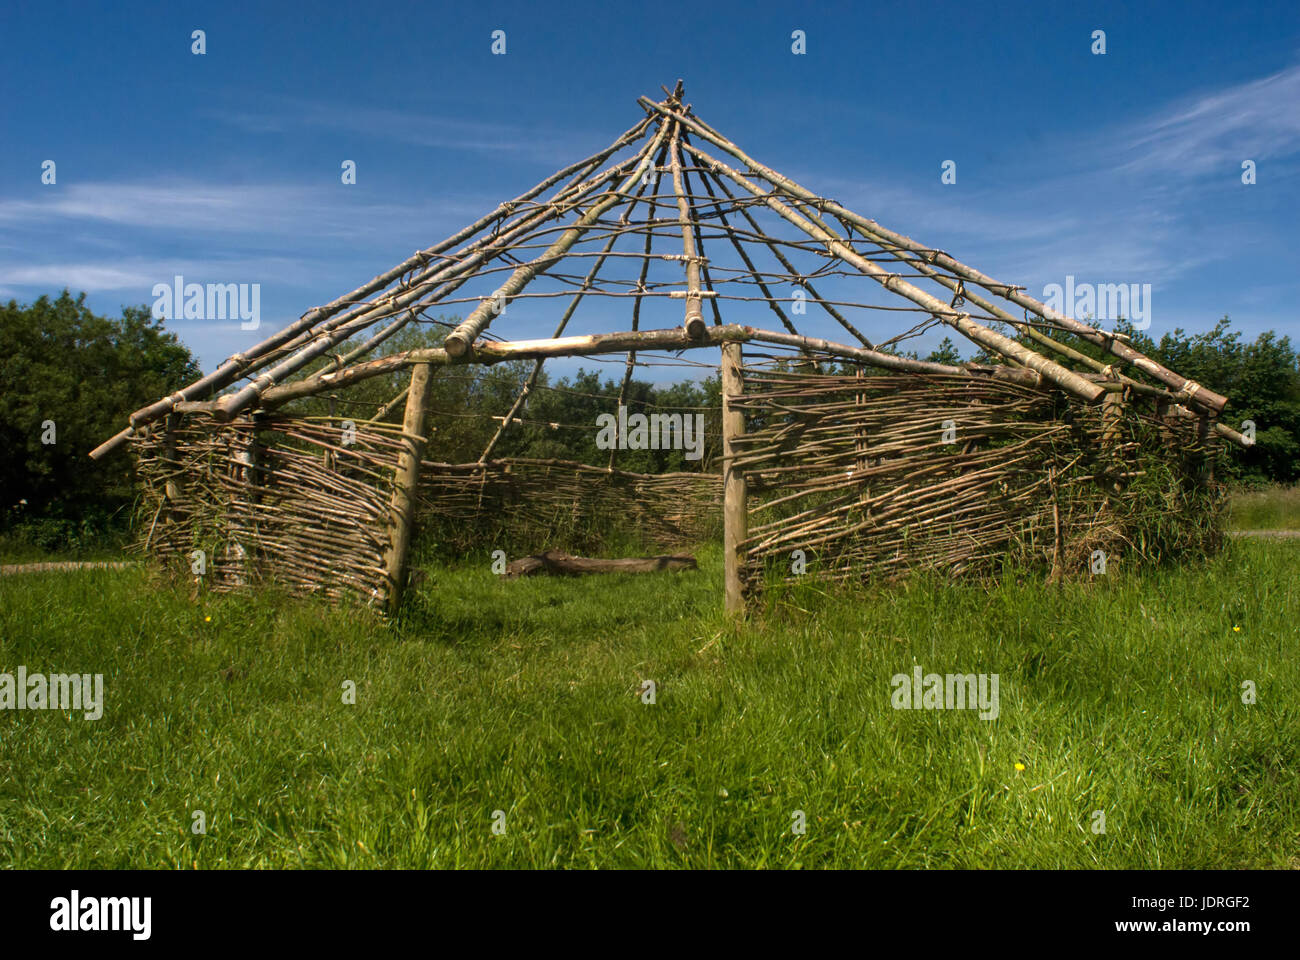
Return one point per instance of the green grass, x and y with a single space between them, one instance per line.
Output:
23 550
1272 508
1121 695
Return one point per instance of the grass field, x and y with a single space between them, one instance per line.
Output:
1273 508
1122 695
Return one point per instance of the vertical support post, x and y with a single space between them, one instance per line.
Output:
402 505
1205 460
1112 414
261 469
327 459
1058 543
1112 422
859 432
735 514
172 487
255 470
246 465
171 509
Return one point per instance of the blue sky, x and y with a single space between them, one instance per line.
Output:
1122 168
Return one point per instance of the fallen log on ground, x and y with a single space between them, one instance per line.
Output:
566 564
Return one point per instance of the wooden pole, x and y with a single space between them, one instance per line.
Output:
735 513
1189 389
488 352
459 341
407 480
327 458
392 404
1205 458
859 432
1112 416
248 463
1058 543
172 488
836 246
240 362
170 508
694 321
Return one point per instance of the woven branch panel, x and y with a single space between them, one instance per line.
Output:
872 476
300 507
869 476
307 505
546 503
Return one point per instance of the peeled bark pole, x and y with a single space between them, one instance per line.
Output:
1188 389
1063 378
459 341
735 514
173 486
559 562
694 321
247 461
407 480
233 367
487 351
1112 418
1204 458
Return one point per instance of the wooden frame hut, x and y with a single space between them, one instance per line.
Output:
840 458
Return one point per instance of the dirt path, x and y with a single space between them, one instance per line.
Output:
62 565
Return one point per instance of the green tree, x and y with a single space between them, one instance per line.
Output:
1261 380
70 375
947 352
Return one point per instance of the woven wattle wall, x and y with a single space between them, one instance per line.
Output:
307 504
538 504
301 507
855 472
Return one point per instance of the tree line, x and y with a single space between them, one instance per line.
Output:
69 378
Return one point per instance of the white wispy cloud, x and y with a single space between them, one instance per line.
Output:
199 206
91 277
284 115
1216 131
1115 206
139 274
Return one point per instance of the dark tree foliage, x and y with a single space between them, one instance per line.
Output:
1261 380
69 374
946 353
559 421
564 421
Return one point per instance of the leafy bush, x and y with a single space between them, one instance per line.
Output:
69 375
